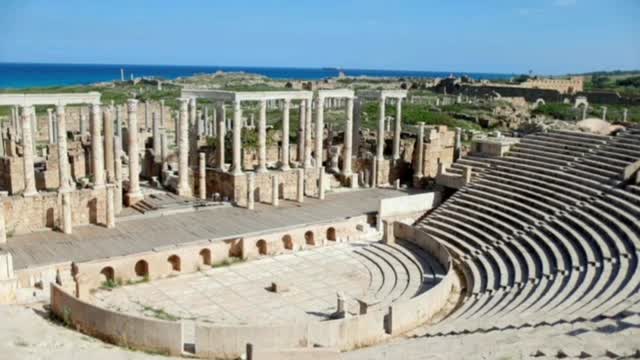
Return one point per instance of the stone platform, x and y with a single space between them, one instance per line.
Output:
144 234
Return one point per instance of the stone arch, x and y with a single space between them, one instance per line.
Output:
262 247
287 242
205 257
174 263
581 101
331 234
309 238
142 268
108 273
539 102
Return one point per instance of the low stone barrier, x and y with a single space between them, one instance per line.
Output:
257 353
117 328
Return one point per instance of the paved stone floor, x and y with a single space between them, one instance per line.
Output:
142 234
237 294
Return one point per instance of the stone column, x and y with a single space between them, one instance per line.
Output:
119 119
584 111
162 119
237 140
34 130
300 188
133 194
118 173
321 183
206 121
374 172
183 151
301 132
193 107
3 225
221 134
67 220
214 122
604 113
307 137
457 147
380 142
155 124
202 176
55 128
63 158
251 185
624 115
319 131
50 128
199 123
111 211
420 158
284 164
348 141
97 152
262 138
275 190
28 153
397 130
109 144
147 126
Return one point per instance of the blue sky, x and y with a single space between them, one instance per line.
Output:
514 36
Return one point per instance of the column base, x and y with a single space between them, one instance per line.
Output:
131 199
184 192
30 193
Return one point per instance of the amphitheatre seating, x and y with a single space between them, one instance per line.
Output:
398 272
549 233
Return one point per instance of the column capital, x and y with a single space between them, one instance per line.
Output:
49 110
132 104
95 107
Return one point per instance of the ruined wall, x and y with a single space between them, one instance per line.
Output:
28 214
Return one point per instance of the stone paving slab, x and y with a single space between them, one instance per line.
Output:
134 236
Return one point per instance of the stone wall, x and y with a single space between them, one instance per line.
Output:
43 211
117 328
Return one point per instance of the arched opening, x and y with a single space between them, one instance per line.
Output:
142 268
287 242
108 273
331 234
174 263
205 256
308 238
262 247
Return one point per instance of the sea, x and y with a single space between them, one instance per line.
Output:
28 75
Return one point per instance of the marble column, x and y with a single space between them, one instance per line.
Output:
301 132
380 140
284 164
28 153
262 138
199 123
275 190
300 186
397 130
206 121
109 144
237 138
133 194
97 152
63 157
251 184
214 122
221 134
67 220
117 155
348 140
55 128
183 151
624 115
202 176
307 135
457 146
420 156
34 130
193 108
50 127
374 172
319 131
584 111
111 211
604 113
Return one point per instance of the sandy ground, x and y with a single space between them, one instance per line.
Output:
27 333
